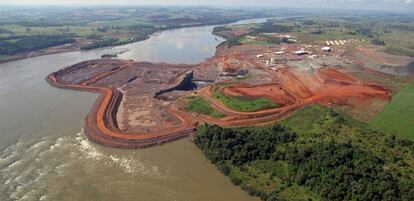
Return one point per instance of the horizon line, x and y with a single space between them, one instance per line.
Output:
198 5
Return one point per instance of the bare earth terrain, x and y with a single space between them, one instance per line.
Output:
143 104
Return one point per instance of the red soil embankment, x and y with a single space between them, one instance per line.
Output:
295 84
340 94
330 86
101 126
333 74
297 89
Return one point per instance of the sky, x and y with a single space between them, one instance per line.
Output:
344 4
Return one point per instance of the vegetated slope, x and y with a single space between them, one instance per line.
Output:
244 104
398 116
200 105
316 154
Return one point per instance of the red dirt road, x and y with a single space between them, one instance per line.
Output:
100 124
297 89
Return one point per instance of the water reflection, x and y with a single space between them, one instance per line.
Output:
187 45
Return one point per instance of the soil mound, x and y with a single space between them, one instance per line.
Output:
333 74
385 63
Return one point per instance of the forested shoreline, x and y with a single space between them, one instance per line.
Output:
327 157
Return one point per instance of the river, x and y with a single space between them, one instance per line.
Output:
44 154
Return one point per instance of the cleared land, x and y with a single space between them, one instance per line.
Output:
398 116
144 88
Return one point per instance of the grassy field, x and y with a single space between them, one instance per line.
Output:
201 106
247 41
244 104
396 84
398 116
399 43
244 26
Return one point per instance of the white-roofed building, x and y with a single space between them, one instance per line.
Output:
327 49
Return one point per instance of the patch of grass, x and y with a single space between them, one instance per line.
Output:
398 116
393 83
365 112
247 41
303 120
199 105
399 43
317 119
399 51
244 104
244 26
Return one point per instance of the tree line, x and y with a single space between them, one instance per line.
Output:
333 169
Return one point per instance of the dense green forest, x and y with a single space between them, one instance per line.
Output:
316 154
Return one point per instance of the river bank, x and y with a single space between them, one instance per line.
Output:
77 46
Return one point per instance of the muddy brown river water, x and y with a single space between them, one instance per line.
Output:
44 154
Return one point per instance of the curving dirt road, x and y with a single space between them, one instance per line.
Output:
101 127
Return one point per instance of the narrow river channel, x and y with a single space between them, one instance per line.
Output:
45 156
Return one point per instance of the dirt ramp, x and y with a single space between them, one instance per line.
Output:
340 94
335 75
273 92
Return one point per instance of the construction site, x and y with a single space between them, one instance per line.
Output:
144 104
